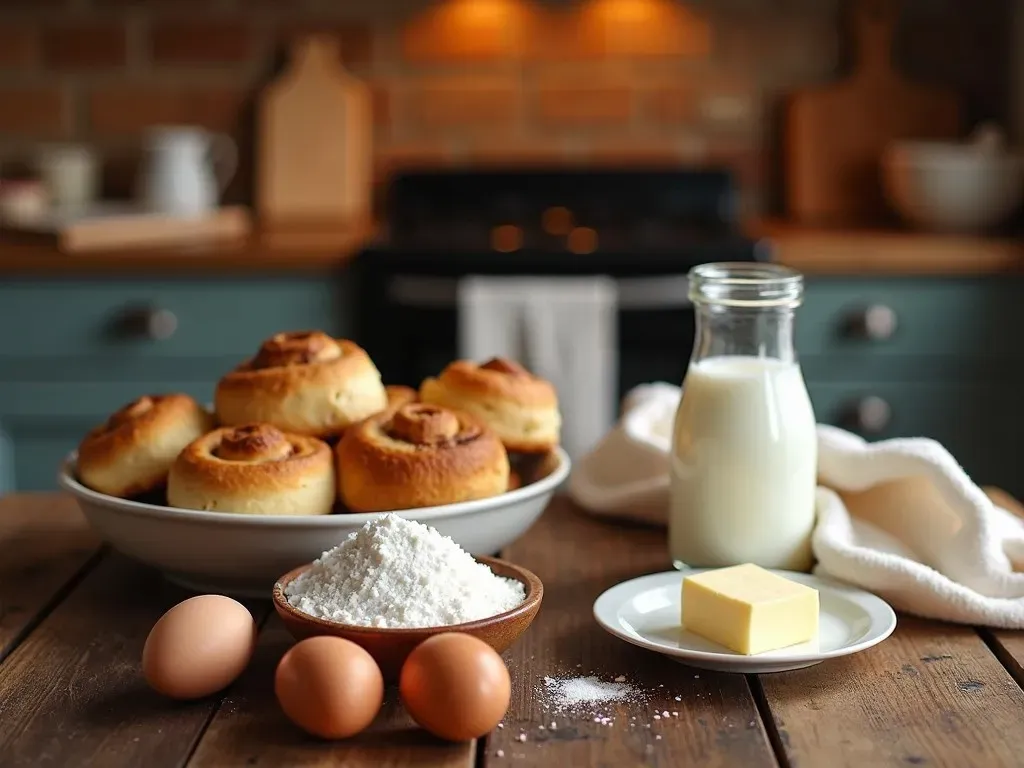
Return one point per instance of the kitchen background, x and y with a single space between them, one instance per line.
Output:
477 81
904 330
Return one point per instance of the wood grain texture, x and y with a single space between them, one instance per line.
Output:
44 543
250 729
845 251
932 694
315 129
72 694
316 248
1007 645
577 558
321 249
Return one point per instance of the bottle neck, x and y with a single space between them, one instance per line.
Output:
753 332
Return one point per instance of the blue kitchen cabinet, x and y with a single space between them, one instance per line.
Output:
76 350
932 357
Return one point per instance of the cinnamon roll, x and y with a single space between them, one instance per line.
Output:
520 407
399 395
419 456
302 382
133 450
254 469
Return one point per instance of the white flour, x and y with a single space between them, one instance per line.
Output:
394 573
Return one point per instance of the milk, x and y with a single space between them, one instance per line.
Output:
744 465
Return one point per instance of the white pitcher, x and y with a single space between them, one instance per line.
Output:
186 170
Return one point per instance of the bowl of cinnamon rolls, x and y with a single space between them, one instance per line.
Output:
304 444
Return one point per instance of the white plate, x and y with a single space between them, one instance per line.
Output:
243 555
645 612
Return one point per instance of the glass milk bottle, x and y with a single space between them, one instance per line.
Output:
744 447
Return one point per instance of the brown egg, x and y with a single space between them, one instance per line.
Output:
199 647
329 687
455 686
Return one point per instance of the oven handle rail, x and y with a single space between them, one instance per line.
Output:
634 293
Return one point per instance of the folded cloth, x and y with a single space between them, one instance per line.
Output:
898 517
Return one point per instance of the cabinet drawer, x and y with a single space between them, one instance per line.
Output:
47 400
912 317
128 320
977 423
31 450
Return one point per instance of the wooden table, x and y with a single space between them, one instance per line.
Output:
74 616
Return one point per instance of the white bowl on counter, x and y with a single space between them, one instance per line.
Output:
949 187
243 555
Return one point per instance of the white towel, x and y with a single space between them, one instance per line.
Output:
561 328
898 517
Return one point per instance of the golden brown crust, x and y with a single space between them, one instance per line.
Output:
499 378
133 450
419 456
514 480
399 395
520 407
303 382
254 469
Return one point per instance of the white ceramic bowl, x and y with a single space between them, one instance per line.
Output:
949 187
243 555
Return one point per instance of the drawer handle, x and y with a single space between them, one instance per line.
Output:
147 322
870 415
874 323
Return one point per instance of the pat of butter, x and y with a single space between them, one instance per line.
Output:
748 609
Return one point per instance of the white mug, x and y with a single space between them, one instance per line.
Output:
186 169
70 174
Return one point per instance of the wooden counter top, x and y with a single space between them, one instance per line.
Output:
313 249
889 252
812 251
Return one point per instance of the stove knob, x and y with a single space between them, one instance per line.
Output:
869 416
875 323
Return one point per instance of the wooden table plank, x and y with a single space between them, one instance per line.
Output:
1007 645
45 543
72 694
578 557
250 729
932 694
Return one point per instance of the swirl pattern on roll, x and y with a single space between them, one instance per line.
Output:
254 469
304 382
419 455
132 451
520 407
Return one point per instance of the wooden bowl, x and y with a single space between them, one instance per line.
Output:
390 647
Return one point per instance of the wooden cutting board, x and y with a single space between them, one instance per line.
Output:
314 135
835 134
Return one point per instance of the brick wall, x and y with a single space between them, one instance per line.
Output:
470 81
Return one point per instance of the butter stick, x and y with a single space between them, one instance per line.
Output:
748 609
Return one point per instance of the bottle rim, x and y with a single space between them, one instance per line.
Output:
746 284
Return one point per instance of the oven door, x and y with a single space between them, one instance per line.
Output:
411 328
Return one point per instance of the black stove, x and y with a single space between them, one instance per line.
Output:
644 228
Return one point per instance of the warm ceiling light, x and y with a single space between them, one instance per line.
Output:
645 28
475 11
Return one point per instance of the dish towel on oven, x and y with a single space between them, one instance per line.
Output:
563 329
898 517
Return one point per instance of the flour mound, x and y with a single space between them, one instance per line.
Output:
395 573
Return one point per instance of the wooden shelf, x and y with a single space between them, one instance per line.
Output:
306 249
882 252
816 251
